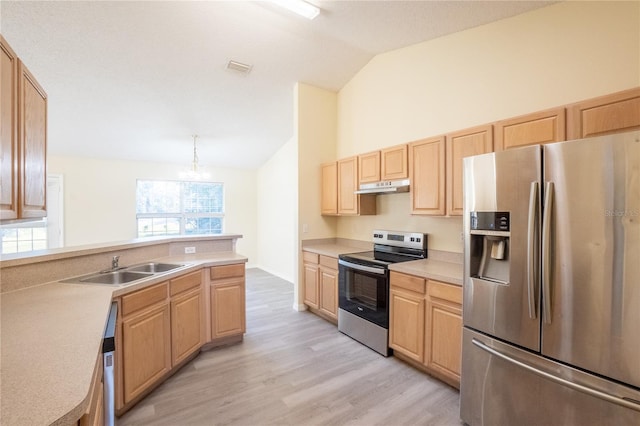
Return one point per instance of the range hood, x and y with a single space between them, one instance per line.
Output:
384 187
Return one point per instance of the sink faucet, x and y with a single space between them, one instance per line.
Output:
114 262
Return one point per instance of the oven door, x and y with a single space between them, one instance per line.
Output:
364 291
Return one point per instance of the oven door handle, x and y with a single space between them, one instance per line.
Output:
361 267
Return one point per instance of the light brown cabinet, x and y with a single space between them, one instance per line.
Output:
406 315
427 175
329 190
369 167
146 339
475 141
443 341
425 325
537 128
187 316
310 265
321 285
394 164
227 293
328 286
24 140
617 112
350 203
94 415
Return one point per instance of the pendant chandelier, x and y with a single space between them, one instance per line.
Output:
193 173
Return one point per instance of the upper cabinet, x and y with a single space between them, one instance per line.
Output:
329 190
394 163
24 140
8 129
537 128
475 141
618 112
426 172
350 203
369 167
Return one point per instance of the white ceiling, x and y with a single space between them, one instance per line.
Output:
134 80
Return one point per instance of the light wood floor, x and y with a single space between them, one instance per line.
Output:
294 368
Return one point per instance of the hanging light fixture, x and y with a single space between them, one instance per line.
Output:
193 173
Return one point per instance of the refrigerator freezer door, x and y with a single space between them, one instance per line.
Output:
504 182
593 261
504 385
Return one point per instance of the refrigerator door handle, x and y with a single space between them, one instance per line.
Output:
531 248
546 252
575 386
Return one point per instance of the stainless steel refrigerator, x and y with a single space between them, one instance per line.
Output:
552 284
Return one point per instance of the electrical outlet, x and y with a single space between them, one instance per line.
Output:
305 228
189 250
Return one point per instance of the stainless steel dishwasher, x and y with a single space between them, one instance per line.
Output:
108 357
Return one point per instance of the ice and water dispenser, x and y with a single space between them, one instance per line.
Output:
489 248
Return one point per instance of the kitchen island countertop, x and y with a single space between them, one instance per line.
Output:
51 338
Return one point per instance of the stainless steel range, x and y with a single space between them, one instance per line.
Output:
363 286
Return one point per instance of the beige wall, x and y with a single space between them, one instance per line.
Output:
277 189
100 199
549 57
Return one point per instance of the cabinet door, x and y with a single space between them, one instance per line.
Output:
443 342
329 202
146 350
618 112
406 323
537 128
227 309
466 143
347 184
426 171
8 132
394 163
369 167
186 325
328 286
32 137
311 284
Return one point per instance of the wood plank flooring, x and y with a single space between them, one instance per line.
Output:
294 368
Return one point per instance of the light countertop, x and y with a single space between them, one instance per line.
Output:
51 338
431 269
334 250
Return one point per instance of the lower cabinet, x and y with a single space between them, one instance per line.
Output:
425 325
187 316
146 339
321 285
94 416
227 293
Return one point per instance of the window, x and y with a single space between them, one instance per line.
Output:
165 207
21 237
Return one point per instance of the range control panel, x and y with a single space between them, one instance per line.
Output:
400 239
490 221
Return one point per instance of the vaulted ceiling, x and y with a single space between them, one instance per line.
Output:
134 80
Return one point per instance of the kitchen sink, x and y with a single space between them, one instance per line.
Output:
154 268
125 275
115 277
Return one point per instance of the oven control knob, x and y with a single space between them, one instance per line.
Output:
417 240
412 239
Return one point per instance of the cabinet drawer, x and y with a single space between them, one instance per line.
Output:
143 298
227 271
408 282
444 291
329 262
185 282
310 257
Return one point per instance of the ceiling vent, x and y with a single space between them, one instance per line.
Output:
239 67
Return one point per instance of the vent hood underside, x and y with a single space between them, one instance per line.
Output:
384 187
